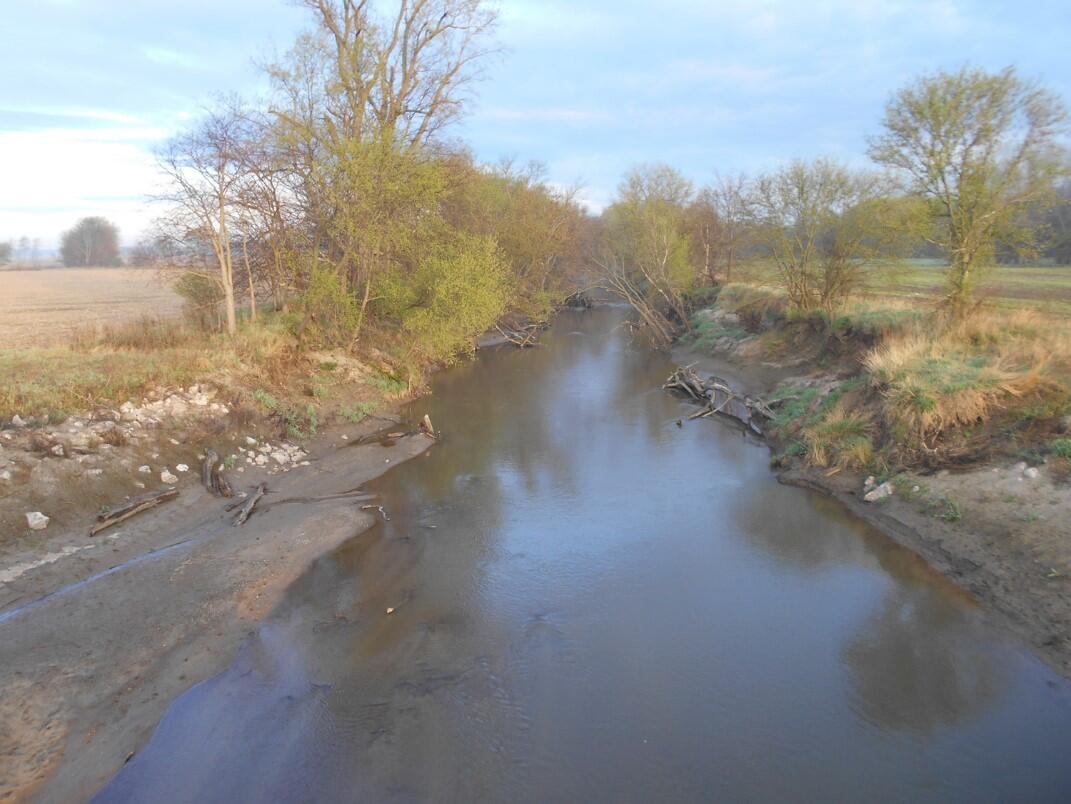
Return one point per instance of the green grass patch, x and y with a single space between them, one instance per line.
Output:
358 411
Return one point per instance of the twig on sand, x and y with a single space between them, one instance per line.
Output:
136 506
247 508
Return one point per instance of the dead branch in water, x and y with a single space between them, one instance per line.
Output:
136 506
247 508
521 336
718 397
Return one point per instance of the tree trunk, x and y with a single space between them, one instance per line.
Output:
249 277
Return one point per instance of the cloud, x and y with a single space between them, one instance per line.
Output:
53 177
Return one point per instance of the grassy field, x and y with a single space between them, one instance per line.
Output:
44 307
1038 287
1043 288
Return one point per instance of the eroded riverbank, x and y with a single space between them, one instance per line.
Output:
590 602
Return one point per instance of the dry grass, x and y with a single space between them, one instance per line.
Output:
936 377
116 362
841 440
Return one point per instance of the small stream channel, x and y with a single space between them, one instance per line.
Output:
594 604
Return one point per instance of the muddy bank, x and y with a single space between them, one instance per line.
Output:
999 531
98 635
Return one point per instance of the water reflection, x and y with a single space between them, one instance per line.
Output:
591 603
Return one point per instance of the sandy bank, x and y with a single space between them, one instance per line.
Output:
98 640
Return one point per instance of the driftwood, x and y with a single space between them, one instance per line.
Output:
136 506
248 505
718 397
426 427
522 335
212 475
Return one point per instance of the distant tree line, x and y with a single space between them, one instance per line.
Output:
969 167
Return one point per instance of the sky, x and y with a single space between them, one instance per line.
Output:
589 87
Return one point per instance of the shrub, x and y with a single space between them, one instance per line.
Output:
202 297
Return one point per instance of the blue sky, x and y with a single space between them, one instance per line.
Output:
589 88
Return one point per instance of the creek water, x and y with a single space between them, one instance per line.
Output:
594 604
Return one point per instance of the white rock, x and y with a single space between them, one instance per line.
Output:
869 483
280 457
1020 467
17 421
139 484
880 493
173 441
167 477
1031 473
250 441
36 520
182 468
5 475
261 460
57 450
145 470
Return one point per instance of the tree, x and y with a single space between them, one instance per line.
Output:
981 149
205 168
645 251
358 106
821 223
92 241
6 250
718 227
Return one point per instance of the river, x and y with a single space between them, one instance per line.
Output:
592 603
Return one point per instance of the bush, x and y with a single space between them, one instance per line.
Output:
202 297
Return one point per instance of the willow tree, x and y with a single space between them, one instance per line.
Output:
982 149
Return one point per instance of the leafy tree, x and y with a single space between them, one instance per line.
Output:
92 241
645 253
821 223
981 149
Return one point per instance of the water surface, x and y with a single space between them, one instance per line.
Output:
594 604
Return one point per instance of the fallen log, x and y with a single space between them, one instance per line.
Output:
114 516
718 397
247 507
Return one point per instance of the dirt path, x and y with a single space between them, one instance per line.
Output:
96 642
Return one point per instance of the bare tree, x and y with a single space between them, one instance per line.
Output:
821 223
205 168
402 79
